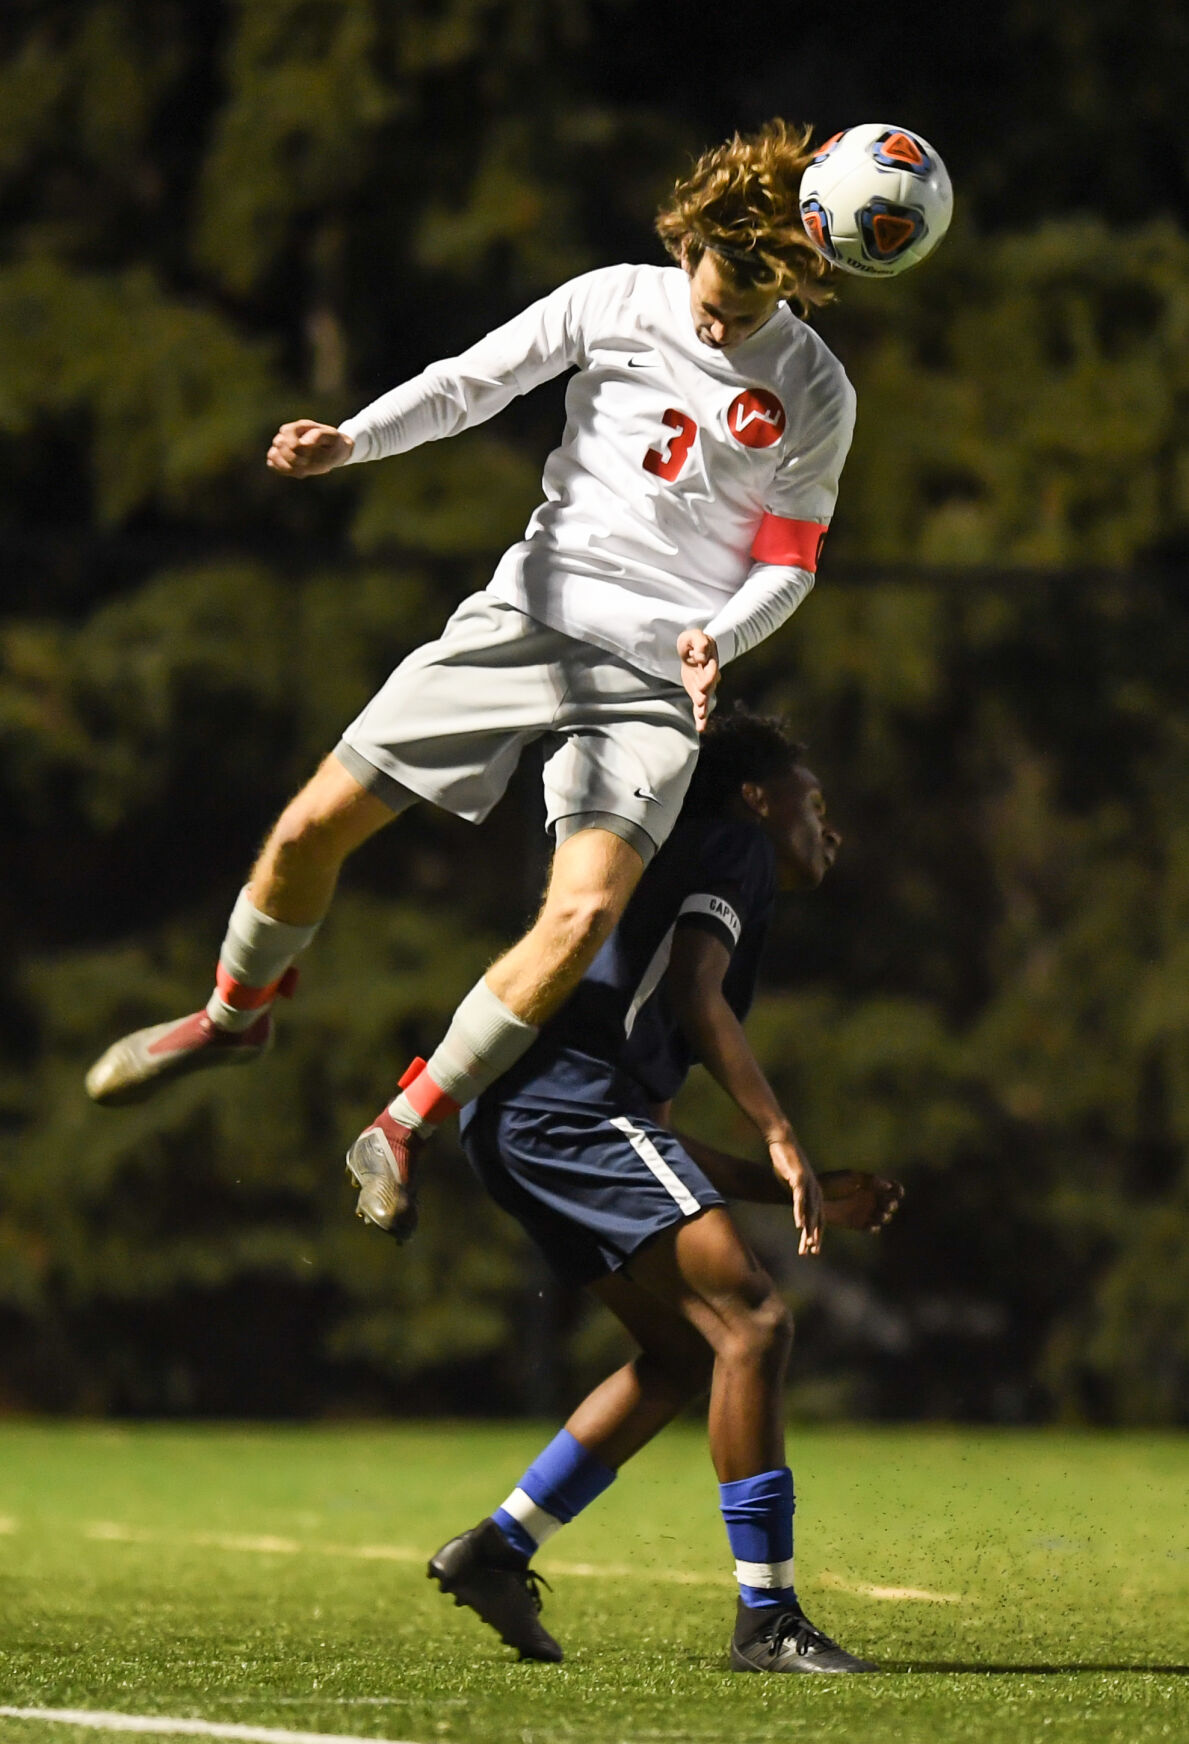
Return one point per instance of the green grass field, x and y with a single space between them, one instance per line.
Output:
1015 1587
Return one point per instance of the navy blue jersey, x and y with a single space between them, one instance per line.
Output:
615 1038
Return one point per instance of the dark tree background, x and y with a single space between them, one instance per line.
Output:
215 216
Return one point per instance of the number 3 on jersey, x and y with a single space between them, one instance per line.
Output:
670 463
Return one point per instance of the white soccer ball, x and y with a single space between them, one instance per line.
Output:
876 200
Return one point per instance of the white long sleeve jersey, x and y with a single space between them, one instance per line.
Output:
692 487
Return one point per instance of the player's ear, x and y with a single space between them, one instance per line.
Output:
754 798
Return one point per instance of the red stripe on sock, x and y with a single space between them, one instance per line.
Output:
430 1102
243 998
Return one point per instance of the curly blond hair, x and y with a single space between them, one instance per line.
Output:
740 202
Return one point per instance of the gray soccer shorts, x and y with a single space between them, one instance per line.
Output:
452 720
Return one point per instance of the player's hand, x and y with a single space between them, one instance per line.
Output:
853 1199
792 1168
700 671
304 448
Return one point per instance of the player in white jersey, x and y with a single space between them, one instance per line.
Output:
706 427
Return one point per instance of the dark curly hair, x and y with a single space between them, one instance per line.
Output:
736 747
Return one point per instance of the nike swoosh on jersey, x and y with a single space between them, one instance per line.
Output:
648 360
646 793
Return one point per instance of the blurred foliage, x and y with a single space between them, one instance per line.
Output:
1028 404
217 216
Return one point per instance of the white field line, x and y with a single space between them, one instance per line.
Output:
110 1531
113 1533
864 1590
160 1726
674 1577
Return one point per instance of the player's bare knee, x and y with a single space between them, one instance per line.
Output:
304 832
782 1327
773 1324
321 825
330 817
761 1335
578 922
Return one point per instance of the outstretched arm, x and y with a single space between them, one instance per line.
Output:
694 980
449 396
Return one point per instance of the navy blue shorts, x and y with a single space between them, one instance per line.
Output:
591 1184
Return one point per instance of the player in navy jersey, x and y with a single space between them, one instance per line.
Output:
575 1142
683 512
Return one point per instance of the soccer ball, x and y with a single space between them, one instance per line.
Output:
876 200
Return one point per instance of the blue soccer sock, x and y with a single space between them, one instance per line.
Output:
758 1513
562 1480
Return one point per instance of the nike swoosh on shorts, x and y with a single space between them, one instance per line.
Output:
645 793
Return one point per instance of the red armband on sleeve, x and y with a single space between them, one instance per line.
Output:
797 544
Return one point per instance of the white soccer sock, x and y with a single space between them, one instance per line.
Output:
483 1040
256 952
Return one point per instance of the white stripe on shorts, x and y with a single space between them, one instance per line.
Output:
765 1574
648 1154
536 1522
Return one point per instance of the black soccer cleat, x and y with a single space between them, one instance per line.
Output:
781 1638
481 1569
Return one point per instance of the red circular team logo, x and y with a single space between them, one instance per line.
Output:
756 418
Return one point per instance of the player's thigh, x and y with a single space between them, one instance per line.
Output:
452 720
661 1331
705 1271
626 750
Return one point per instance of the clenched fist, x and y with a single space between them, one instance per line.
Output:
304 448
